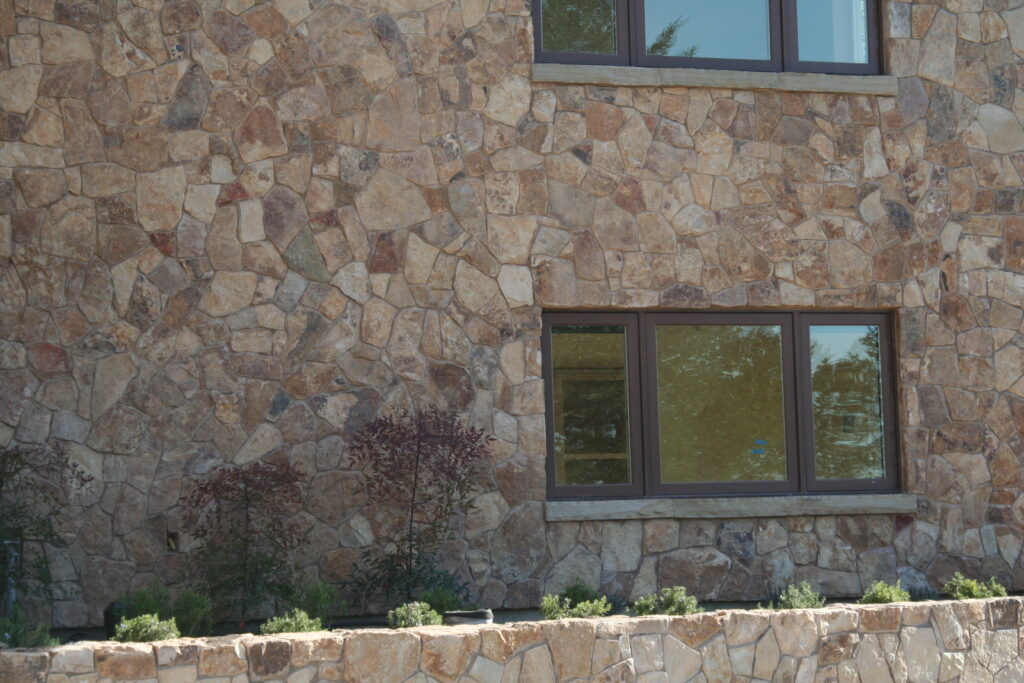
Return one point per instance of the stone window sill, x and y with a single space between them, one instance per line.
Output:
586 74
731 507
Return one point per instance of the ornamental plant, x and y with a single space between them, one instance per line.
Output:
37 484
145 628
191 611
296 621
881 592
672 601
420 466
242 520
319 600
577 600
413 614
799 596
961 588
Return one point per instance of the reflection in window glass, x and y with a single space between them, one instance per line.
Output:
724 29
720 403
580 26
832 31
590 401
847 383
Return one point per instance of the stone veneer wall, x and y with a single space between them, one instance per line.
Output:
914 642
233 231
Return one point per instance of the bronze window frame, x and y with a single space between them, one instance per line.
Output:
783 44
797 400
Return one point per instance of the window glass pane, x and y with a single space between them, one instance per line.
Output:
723 29
833 31
847 400
591 404
582 26
720 403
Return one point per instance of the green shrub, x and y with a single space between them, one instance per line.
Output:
882 592
578 592
296 621
193 613
561 607
15 631
442 599
577 600
961 588
413 614
672 601
145 628
318 599
800 596
152 598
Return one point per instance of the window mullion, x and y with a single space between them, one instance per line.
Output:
804 418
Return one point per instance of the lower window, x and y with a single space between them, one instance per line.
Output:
719 403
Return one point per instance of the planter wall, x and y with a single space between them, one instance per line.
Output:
928 642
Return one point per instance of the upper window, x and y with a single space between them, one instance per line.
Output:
825 36
717 403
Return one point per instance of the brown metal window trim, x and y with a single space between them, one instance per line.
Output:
797 399
783 31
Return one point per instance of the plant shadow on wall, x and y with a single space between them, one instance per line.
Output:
419 469
37 483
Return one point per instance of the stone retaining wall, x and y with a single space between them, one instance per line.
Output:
976 640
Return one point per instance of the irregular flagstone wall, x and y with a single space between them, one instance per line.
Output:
915 642
233 231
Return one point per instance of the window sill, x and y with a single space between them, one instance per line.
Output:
731 508
587 74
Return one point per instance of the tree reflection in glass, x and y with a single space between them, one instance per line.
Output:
847 383
591 412
720 403
578 26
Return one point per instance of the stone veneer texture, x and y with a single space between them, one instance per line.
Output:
234 231
914 642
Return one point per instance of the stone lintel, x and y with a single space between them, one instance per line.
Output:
589 74
730 508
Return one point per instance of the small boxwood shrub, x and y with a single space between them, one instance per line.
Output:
881 592
296 621
672 601
558 607
961 588
577 600
413 614
145 628
799 596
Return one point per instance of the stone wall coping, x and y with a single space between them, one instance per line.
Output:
982 608
588 74
730 507
846 639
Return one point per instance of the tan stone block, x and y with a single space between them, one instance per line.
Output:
229 292
380 656
126 662
160 196
222 657
18 88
